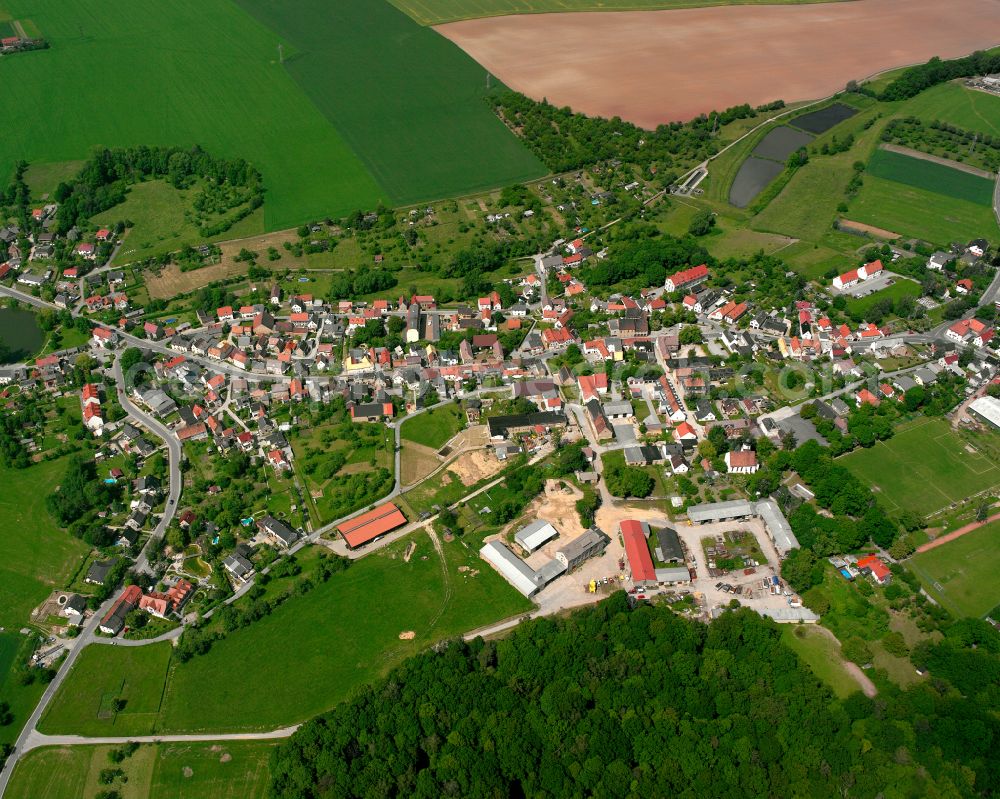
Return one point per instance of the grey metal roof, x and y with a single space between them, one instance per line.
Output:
717 511
533 535
674 574
988 408
778 526
518 573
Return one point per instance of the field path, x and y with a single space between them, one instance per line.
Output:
895 148
944 539
867 686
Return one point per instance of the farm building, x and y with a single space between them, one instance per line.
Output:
532 536
371 525
720 511
518 573
584 546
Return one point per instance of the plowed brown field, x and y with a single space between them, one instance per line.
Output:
652 67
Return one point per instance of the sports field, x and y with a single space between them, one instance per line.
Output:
435 12
924 467
963 574
36 555
923 174
367 105
223 770
433 428
311 652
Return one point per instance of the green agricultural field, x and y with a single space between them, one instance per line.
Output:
938 178
924 467
820 652
85 704
409 102
962 574
910 211
204 770
36 555
433 428
311 652
437 12
215 76
952 102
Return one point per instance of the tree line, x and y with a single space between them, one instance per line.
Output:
915 79
565 140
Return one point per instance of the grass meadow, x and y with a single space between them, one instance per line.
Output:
952 102
224 770
309 654
437 12
924 467
923 174
962 574
85 704
433 428
821 653
161 225
36 555
901 288
407 100
21 698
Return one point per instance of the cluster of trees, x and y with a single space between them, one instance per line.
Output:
944 139
915 79
625 481
565 140
80 493
640 703
359 283
103 181
642 257
855 517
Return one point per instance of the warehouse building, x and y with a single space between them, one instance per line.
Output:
987 409
720 511
369 526
518 573
777 527
534 535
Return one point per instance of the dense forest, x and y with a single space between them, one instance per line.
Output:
613 702
565 140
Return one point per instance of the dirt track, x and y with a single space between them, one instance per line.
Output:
652 67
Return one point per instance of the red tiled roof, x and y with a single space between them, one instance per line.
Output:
876 566
362 529
637 551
